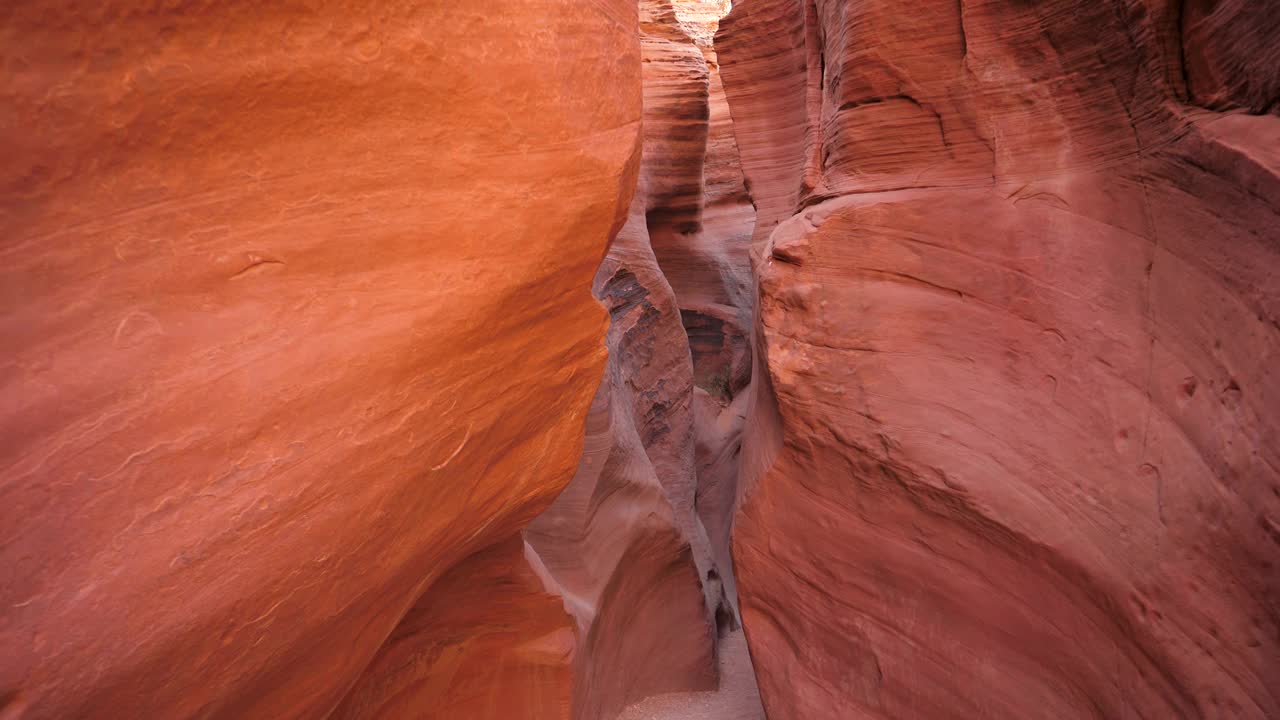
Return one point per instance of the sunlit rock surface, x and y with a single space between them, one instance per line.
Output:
296 315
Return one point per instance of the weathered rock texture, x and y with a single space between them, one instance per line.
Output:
626 545
1013 447
701 239
619 544
717 316
295 317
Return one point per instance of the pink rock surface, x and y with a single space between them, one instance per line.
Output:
699 219
1011 450
295 316
957 321
701 235
622 545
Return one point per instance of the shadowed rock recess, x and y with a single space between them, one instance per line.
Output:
632 360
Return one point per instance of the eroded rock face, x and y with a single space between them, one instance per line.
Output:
1231 59
626 545
703 251
703 246
622 545
1012 445
296 316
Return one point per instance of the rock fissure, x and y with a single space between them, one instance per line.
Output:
666 404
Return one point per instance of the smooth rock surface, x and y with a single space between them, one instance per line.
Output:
1011 447
295 310
487 642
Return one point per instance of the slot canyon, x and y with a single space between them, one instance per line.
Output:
640 359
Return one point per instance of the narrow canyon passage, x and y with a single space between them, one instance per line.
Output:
636 547
640 360
652 503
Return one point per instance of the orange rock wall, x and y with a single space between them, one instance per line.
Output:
295 311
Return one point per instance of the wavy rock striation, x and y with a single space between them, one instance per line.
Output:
1011 447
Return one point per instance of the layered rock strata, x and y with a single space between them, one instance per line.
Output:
1011 443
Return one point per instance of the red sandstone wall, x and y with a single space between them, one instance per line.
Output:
1013 448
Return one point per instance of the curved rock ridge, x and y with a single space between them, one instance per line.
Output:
700 227
1011 441
295 318
716 307
487 642
943 335
1230 57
